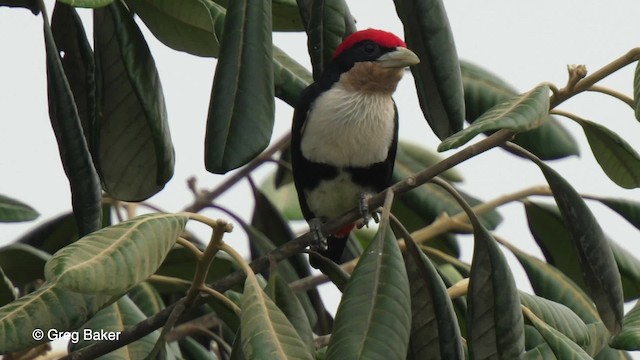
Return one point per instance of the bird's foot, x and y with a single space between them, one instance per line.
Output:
366 214
319 241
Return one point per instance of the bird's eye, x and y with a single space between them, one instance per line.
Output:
369 48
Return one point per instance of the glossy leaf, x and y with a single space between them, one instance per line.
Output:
616 157
562 346
629 337
495 327
636 91
628 209
86 193
87 3
434 327
12 210
266 331
116 318
520 113
133 151
114 259
330 21
49 307
596 258
437 76
22 263
483 90
282 295
192 26
8 291
373 320
241 110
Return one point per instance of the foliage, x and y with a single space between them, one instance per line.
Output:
80 273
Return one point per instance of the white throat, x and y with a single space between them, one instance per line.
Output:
349 128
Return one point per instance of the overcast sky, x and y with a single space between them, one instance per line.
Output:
524 42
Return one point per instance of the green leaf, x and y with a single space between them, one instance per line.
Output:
86 194
290 78
22 263
520 113
87 3
192 26
114 259
132 151
49 307
330 21
629 337
628 209
114 319
32 5
596 258
192 349
562 346
636 91
285 198
8 292
616 157
608 353
241 111
423 158
483 90
434 327
437 76
629 268
495 327
282 295
12 210
373 320
266 331
146 298
286 16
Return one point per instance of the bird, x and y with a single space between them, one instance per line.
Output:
345 132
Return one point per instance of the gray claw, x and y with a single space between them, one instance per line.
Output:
319 241
364 209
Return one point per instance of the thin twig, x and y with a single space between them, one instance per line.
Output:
616 94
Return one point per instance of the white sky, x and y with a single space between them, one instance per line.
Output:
524 42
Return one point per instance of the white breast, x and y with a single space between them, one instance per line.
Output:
349 128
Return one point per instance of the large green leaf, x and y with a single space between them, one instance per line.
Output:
114 259
419 158
115 319
241 111
437 76
373 320
562 346
49 307
495 327
628 209
22 263
132 146
629 337
434 328
607 353
146 298
483 90
330 21
286 16
290 78
12 210
520 113
192 26
86 194
616 157
87 3
596 258
266 331
8 292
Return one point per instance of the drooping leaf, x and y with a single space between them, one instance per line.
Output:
67 35
330 21
87 3
192 26
241 110
49 307
495 327
114 259
616 157
8 291
629 337
520 113
12 210
290 78
596 258
628 209
133 152
483 90
22 263
437 76
266 331
434 328
115 319
373 320
562 346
